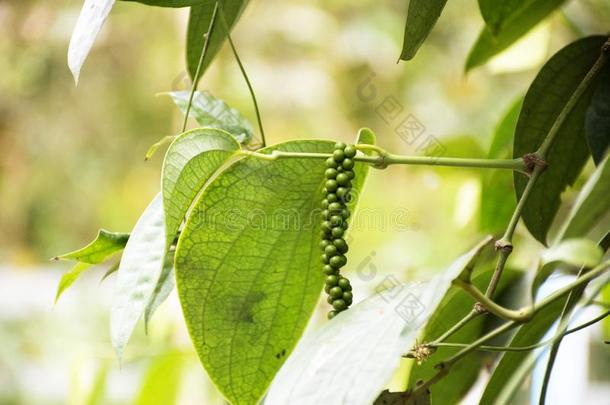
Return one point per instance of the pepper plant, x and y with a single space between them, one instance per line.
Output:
250 234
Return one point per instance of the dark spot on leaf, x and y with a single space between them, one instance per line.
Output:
243 307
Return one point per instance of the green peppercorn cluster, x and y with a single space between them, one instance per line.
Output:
339 175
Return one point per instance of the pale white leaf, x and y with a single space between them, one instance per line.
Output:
138 273
89 23
351 358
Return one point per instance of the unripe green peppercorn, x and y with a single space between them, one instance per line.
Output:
347 297
325 203
331 198
332 280
331 164
329 270
341 245
340 145
350 151
337 261
342 179
336 220
330 250
330 300
344 284
337 232
342 192
350 174
326 226
332 314
331 185
335 207
339 156
330 173
336 292
325 259
324 243
339 304
348 164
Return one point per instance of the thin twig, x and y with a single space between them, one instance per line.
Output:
245 75
204 50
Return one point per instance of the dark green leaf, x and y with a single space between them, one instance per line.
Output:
597 120
199 21
421 17
545 99
212 112
360 349
248 266
495 13
454 306
70 277
168 3
511 25
497 201
103 246
591 205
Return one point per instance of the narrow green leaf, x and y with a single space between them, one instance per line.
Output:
138 273
545 99
351 358
454 306
161 382
512 25
597 120
103 246
199 21
421 17
70 277
248 268
169 3
212 112
497 190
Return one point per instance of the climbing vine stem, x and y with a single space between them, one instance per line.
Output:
381 161
245 75
445 366
204 50
536 164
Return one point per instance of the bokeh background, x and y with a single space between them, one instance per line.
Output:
72 161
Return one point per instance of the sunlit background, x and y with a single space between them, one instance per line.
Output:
72 161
